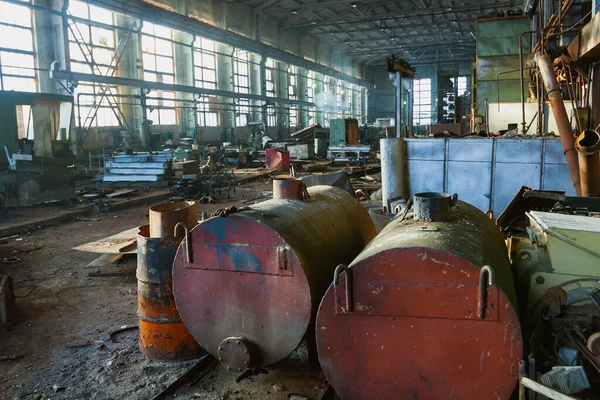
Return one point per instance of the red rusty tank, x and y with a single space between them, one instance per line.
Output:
426 311
249 284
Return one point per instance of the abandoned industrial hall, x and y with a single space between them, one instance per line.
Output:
300 199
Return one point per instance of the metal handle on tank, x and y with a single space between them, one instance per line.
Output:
490 213
188 242
483 285
336 274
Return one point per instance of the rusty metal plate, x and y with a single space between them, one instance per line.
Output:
454 301
268 260
219 297
419 348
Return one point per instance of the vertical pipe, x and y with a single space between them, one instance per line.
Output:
392 170
561 117
521 68
398 105
588 148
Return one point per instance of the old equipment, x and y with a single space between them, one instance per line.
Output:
427 310
163 336
557 267
248 284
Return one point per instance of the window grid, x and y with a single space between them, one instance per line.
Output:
422 102
292 82
17 58
158 66
241 84
205 76
310 96
99 47
270 77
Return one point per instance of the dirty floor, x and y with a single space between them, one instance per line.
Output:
60 347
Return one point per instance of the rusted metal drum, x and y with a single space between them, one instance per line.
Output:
249 286
164 217
163 336
288 188
415 316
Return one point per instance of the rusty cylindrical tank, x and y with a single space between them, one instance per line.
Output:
250 284
588 149
416 317
163 336
164 217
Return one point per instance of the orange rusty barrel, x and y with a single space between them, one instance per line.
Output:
163 336
164 217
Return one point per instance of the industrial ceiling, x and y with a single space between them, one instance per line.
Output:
420 31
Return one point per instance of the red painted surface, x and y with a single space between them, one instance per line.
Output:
414 333
277 159
244 282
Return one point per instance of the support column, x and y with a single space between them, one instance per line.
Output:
51 43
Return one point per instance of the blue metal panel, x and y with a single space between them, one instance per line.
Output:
558 177
554 152
426 149
470 150
508 179
519 151
471 181
425 176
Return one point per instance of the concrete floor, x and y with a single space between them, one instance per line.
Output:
66 317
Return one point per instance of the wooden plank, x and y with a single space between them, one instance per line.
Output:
138 171
546 391
113 261
132 178
112 244
154 164
120 193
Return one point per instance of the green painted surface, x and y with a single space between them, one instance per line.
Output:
337 132
498 53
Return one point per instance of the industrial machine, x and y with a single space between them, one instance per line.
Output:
36 149
248 283
428 310
559 278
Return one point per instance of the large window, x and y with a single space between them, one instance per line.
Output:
462 87
270 77
310 96
205 64
422 102
92 51
17 54
205 76
292 82
241 84
158 66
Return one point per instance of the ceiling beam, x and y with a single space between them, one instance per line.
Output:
325 4
406 15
